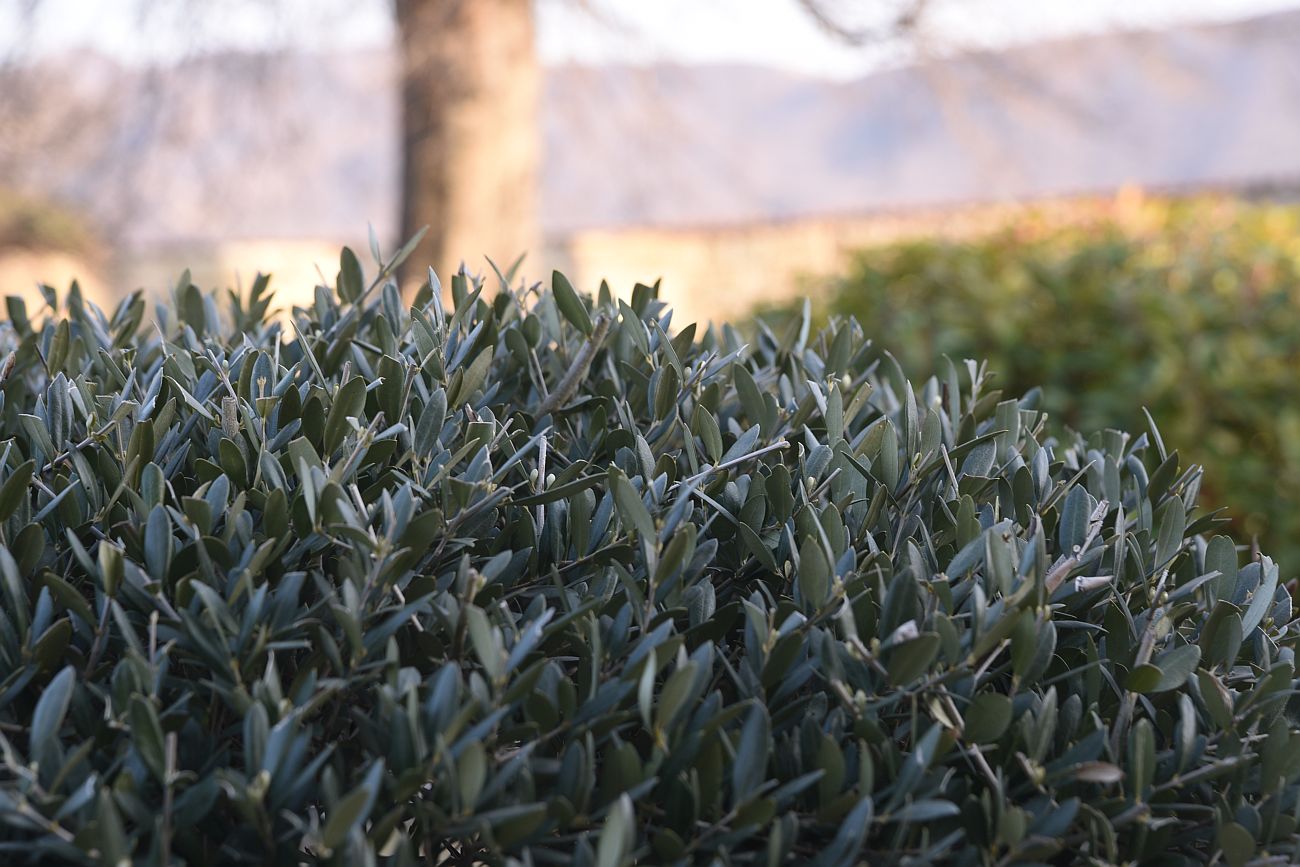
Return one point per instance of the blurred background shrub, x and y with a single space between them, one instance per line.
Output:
1189 308
31 224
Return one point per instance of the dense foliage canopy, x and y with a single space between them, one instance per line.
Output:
546 579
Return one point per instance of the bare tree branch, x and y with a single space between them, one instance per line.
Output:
901 24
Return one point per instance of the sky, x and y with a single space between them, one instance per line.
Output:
769 32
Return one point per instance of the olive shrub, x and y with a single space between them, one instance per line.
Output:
541 578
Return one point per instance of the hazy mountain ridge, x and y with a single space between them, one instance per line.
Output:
241 146
1213 104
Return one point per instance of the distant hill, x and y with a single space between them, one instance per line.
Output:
1183 108
245 146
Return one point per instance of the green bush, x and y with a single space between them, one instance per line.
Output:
544 580
1192 310
28 224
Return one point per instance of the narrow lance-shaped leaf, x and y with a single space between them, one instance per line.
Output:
569 303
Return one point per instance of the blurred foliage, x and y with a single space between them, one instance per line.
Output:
29 224
1189 308
537 578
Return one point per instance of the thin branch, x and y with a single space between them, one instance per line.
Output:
903 23
581 364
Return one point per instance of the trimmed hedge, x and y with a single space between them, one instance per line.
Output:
1191 309
543 579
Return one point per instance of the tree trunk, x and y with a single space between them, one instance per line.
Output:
470 132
